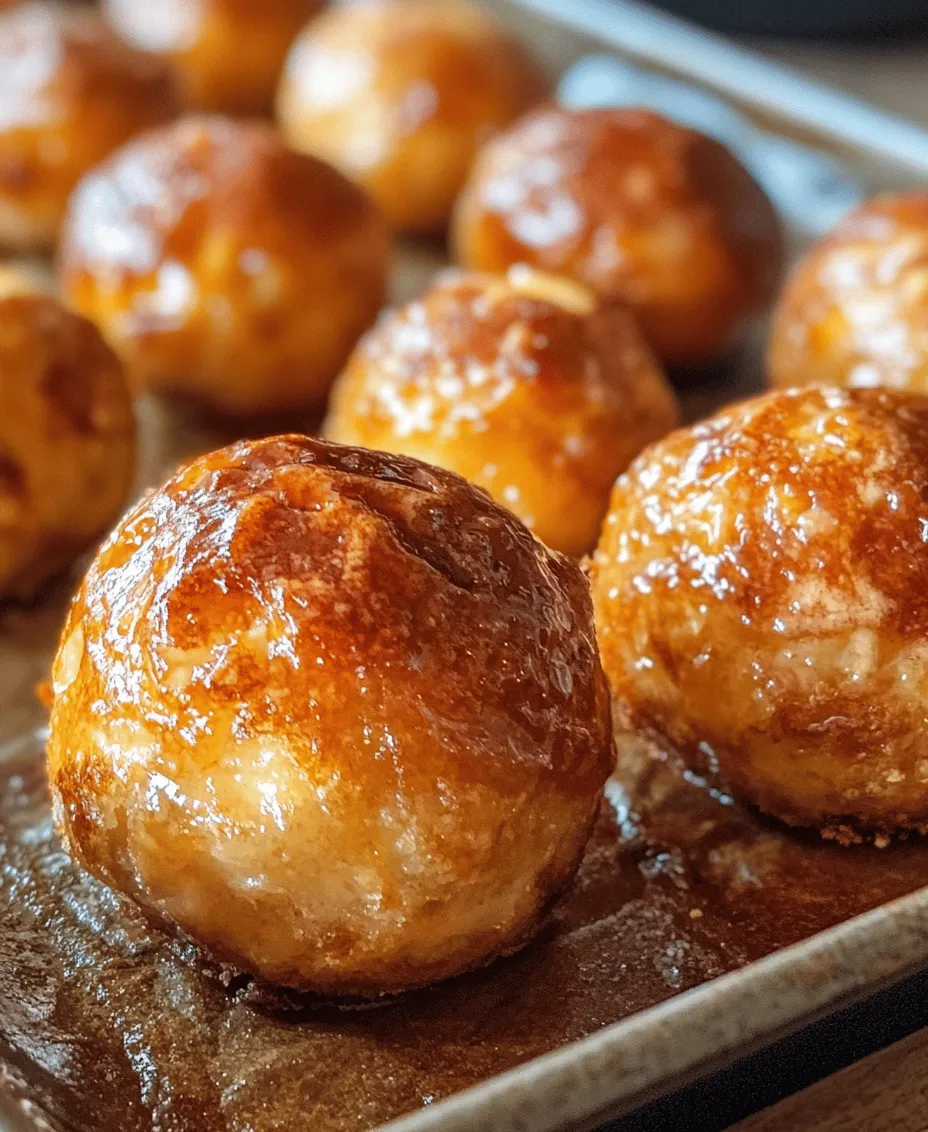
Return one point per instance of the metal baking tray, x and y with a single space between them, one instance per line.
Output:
696 930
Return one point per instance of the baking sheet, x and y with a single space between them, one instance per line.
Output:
105 1023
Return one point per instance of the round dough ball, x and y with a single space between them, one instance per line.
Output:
70 92
855 311
223 266
636 207
227 55
67 440
335 713
526 385
760 600
399 95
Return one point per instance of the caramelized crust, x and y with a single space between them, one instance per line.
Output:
855 311
225 267
760 593
527 385
70 92
399 94
636 207
67 440
334 713
226 54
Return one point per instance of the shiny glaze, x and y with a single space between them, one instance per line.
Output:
67 440
760 590
399 94
855 310
223 266
677 886
333 712
70 92
526 385
226 54
636 207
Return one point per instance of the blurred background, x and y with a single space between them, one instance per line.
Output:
860 18
876 48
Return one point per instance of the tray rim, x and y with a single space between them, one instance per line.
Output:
615 1070
740 74
650 1053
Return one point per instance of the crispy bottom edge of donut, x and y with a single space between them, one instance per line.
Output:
350 993
844 829
847 827
844 826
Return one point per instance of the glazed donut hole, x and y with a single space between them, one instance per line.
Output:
400 94
389 728
525 384
638 208
855 310
224 268
67 441
70 92
226 55
759 590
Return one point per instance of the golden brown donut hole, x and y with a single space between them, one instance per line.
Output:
67 440
525 384
399 95
855 310
226 54
389 727
760 592
70 92
223 266
636 207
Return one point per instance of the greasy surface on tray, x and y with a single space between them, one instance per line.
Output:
678 885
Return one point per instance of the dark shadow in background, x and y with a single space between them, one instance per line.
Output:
860 19
755 1082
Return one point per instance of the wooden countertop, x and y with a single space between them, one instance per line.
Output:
862 1069
886 1092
